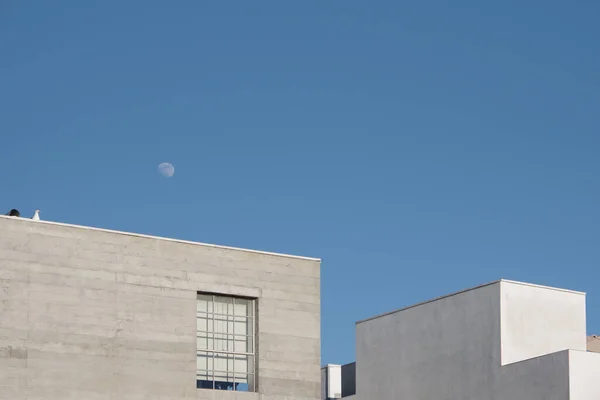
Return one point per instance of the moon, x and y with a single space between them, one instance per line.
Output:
166 169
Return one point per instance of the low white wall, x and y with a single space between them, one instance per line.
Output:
584 374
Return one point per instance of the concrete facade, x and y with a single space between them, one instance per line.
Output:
502 341
94 314
593 343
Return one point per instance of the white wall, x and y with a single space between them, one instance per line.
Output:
584 375
331 382
539 320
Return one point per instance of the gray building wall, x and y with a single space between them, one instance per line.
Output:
502 341
348 379
445 344
94 314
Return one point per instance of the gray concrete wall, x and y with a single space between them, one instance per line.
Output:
444 349
540 378
348 379
92 314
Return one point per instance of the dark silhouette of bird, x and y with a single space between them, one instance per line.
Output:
13 213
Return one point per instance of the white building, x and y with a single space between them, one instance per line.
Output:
501 341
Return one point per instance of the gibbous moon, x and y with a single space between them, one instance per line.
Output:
166 169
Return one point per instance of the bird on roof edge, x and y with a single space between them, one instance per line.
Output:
36 216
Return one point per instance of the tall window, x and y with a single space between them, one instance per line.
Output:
226 330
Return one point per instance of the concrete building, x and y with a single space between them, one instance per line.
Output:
501 341
92 314
593 343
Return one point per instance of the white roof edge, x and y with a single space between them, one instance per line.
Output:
542 286
468 290
91 228
336 365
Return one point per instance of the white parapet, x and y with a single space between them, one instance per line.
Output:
331 382
537 320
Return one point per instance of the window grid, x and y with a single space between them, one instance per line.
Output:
212 337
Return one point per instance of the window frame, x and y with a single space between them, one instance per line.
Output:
209 353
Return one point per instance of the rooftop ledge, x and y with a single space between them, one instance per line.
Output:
467 290
89 228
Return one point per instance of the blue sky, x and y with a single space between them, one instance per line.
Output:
418 148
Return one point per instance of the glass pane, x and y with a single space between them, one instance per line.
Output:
204 383
251 365
230 311
223 385
223 305
221 376
242 307
231 379
203 375
219 342
204 341
223 381
221 325
250 326
244 382
251 308
243 344
230 366
202 322
241 378
220 363
204 361
204 303
223 362
230 324
243 364
242 326
224 342
242 387
220 318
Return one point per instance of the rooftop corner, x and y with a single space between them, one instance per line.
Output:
468 290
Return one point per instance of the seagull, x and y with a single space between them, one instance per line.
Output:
36 216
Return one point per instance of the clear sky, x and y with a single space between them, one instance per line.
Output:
418 148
